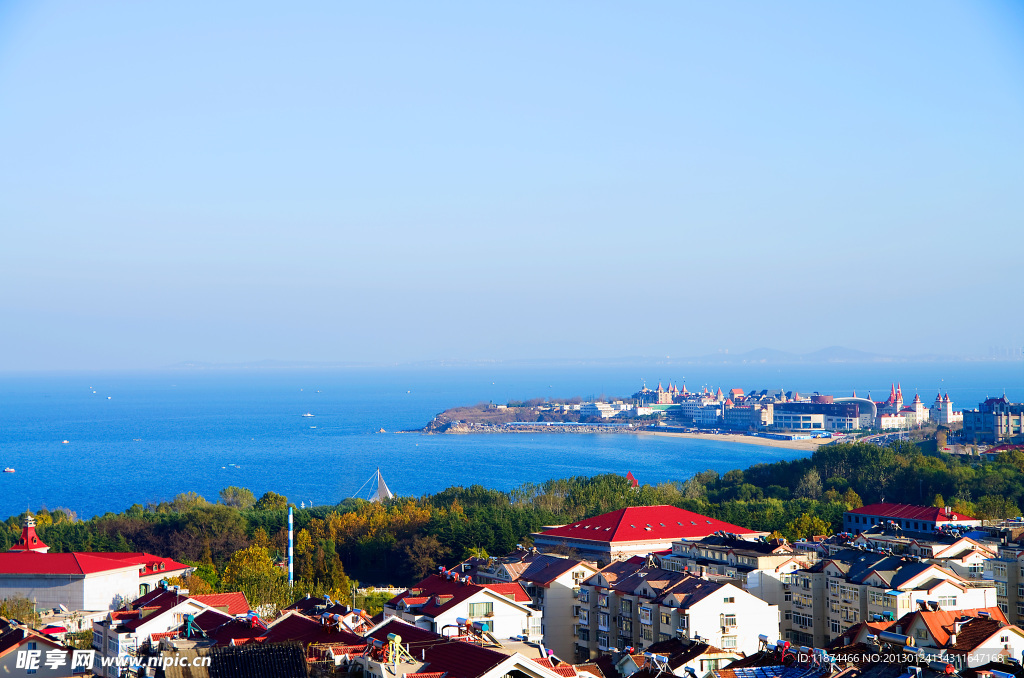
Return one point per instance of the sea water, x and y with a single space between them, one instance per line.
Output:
145 437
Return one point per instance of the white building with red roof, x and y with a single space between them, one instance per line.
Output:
631 531
78 581
906 517
438 603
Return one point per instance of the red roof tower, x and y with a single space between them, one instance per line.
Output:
29 541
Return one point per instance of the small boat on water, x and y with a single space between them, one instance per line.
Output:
8 470
309 414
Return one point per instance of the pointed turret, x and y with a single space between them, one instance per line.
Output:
29 541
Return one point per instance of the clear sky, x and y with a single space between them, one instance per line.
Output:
342 181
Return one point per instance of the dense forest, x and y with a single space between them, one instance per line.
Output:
237 541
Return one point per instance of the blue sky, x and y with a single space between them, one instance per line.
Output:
389 182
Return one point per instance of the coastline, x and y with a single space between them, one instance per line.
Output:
805 445
533 428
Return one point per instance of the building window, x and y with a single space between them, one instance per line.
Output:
666 618
584 617
948 602
584 635
646 632
602 599
584 595
728 620
835 627
481 609
627 607
730 599
728 642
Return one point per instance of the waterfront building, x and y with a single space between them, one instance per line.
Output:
752 417
633 604
504 610
906 517
942 413
996 420
816 416
635 530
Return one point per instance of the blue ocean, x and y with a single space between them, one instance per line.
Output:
145 437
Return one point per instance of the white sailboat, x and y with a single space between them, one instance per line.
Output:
378 490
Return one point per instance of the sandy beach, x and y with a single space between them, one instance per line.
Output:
806 445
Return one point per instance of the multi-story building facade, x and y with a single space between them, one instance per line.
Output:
853 586
816 416
752 417
757 566
633 604
995 420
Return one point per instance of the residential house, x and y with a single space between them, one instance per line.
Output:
441 600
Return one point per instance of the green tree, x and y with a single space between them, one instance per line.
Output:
809 485
237 497
252 572
806 526
938 501
271 501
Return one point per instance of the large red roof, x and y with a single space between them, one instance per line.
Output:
148 563
910 512
234 602
30 562
645 523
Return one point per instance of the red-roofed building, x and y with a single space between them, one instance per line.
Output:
440 600
636 530
430 655
906 517
16 638
228 603
82 581
29 540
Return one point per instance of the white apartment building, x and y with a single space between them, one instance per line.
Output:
632 604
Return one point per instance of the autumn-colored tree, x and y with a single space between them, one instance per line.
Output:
187 500
422 554
237 497
852 499
271 501
252 572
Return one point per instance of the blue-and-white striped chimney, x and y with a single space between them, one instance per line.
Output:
291 547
